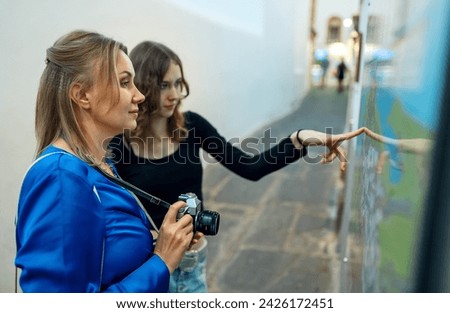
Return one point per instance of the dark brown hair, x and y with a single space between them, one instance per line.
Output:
151 61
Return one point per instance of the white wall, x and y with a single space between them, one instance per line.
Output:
245 62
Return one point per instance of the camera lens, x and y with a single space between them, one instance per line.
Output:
208 222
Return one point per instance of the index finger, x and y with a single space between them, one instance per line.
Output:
171 215
350 135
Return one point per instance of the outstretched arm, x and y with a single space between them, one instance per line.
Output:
308 137
414 145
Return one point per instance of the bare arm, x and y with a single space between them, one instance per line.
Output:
414 145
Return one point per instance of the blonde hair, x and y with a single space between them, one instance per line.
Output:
79 57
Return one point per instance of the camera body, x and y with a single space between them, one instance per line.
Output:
204 221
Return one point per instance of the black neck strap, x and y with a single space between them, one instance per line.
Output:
139 192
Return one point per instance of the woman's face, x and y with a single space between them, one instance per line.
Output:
112 119
170 88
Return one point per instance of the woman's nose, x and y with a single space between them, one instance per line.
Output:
138 97
174 93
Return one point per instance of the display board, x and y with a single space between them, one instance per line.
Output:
403 74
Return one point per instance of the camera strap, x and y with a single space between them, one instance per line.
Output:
154 200
135 191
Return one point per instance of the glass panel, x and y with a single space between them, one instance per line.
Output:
402 86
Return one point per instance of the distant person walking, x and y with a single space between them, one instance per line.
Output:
340 75
324 65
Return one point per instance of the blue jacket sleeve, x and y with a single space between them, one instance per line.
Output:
59 235
152 276
60 238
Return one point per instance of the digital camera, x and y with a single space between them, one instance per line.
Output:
204 221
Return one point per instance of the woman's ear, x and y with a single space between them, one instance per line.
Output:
78 95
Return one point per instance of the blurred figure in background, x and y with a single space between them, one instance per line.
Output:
324 64
340 75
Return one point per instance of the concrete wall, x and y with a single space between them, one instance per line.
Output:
245 61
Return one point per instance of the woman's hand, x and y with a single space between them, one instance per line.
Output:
308 137
174 237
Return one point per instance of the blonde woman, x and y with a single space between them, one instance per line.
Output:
77 231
